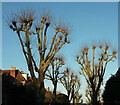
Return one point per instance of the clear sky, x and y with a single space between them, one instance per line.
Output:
60 0
91 23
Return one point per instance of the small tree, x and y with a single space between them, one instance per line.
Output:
55 75
92 72
88 94
22 24
71 84
78 97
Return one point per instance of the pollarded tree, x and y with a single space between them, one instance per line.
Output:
22 24
71 84
55 74
94 71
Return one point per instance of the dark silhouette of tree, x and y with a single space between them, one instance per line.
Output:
62 99
22 23
111 95
94 70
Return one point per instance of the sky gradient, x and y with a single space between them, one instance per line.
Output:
60 0
91 23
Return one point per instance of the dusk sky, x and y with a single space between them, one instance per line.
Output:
91 23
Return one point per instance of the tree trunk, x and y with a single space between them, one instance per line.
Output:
73 96
94 99
54 92
68 92
73 100
55 88
39 90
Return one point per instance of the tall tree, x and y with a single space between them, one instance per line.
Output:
22 23
94 70
71 84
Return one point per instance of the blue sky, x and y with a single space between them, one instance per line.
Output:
91 22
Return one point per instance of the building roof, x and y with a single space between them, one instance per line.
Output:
14 73
19 76
7 72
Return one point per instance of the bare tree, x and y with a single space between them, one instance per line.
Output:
78 97
88 94
22 24
55 74
71 84
94 70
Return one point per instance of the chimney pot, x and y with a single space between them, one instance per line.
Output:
13 68
21 71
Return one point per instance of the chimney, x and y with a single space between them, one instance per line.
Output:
12 71
13 68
